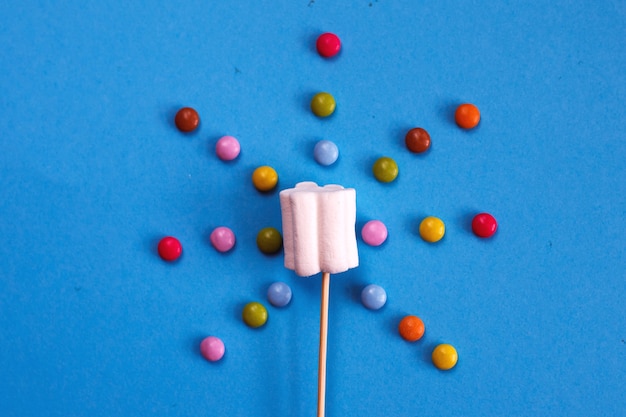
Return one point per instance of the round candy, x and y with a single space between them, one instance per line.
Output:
373 297
467 116
264 178
417 140
254 314
445 357
328 45
227 148
385 169
222 239
325 152
484 225
269 240
187 119
323 104
170 248
432 229
212 348
279 294
411 328
374 233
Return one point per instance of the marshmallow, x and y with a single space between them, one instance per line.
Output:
319 228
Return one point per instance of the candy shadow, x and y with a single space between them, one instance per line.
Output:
464 220
151 244
426 354
446 110
398 134
309 40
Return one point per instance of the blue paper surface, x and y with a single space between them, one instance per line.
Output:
93 173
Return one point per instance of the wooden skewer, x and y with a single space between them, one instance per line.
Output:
321 368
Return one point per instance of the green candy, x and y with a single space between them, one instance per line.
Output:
385 169
254 314
269 240
323 104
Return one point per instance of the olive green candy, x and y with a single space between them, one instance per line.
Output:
323 104
254 314
269 240
385 169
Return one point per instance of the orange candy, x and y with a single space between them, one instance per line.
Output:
411 328
467 116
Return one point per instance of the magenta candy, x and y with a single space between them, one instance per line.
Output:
212 348
374 233
227 148
222 239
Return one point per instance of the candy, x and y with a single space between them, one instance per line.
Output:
212 348
254 314
269 240
222 239
484 225
467 116
169 248
373 297
325 152
318 225
374 233
432 229
187 119
417 140
227 148
264 178
411 328
323 104
279 294
445 357
385 169
328 45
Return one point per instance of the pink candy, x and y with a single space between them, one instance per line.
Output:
222 239
227 148
374 233
212 348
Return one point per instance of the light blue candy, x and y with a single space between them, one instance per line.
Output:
373 297
325 152
279 294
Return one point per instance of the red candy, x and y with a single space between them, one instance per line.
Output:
170 249
328 45
187 119
484 225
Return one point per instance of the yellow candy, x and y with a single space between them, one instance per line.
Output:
432 229
445 357
323 104
264 178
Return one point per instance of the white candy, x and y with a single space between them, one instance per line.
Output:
319 228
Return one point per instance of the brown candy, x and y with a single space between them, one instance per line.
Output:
417 140
187 119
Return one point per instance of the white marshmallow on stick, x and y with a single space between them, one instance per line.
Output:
319 228
319 236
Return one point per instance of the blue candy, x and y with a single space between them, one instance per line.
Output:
325 152
373 297
279 294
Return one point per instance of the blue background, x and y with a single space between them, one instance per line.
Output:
93 173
